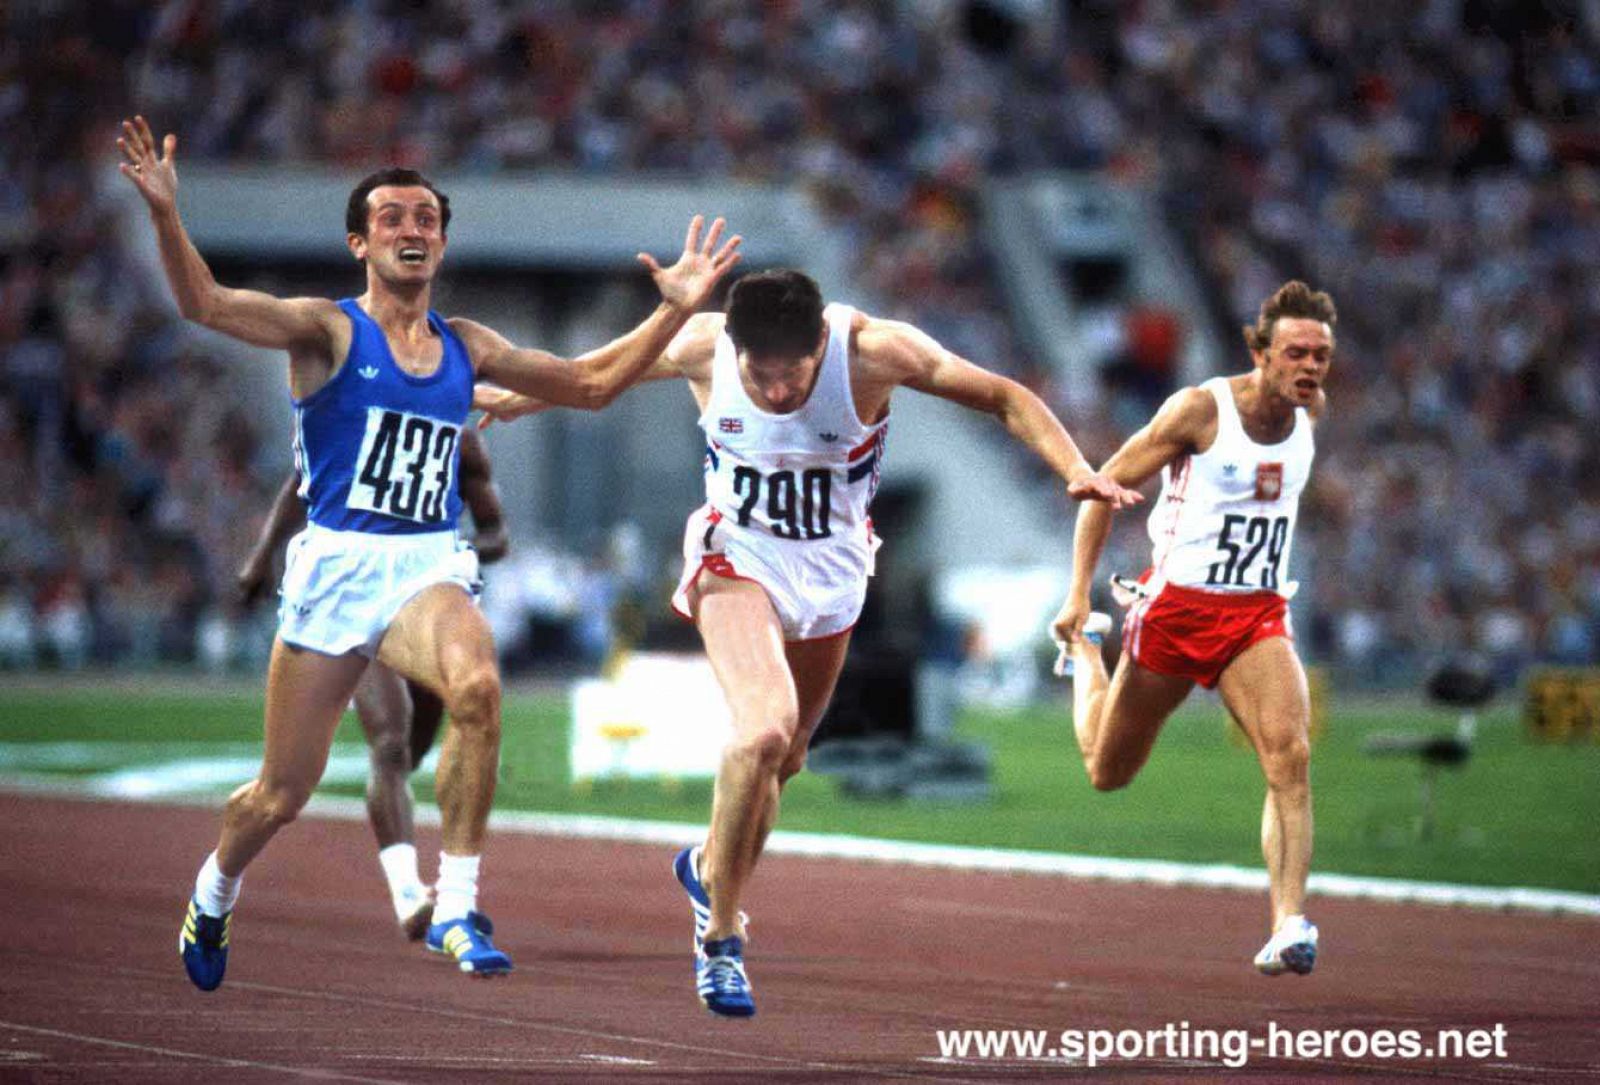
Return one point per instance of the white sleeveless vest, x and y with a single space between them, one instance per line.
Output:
801 477
1225 519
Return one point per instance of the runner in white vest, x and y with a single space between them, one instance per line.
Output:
794 401
1234 455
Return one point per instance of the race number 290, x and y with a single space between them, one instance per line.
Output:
405 466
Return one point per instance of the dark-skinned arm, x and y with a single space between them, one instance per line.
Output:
288 515
482 498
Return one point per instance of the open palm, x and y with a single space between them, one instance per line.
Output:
688 283
156 178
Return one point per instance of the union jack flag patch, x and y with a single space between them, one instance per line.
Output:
731 425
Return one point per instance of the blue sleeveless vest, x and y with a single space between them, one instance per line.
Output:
377 449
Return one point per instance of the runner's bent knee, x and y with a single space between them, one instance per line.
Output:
390 755
1104 776
1286 759
767 705
766 746
279 803
792 764
472 696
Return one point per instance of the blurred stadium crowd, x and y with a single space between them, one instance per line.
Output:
1435 166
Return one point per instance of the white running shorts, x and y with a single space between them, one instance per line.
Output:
817 587
341 589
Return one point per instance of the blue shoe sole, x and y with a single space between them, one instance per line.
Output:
487 972
1300 959
204 980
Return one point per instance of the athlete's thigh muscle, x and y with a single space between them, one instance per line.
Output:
815 666
1265 690
306 695
1136 705
744 642
436 637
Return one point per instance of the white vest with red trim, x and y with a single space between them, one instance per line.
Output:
802 477
1225 519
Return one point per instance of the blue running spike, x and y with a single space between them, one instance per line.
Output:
720 980
469 944
685 867
203 945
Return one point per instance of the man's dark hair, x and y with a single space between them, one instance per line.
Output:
1292 299
775 314
355 212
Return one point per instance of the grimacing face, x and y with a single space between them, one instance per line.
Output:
783 381
405 238
1296 362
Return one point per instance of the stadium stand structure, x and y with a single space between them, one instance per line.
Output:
1434 166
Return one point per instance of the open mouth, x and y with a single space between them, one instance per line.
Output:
413 256
1306 386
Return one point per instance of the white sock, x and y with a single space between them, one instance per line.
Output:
457 887
406 890
214 891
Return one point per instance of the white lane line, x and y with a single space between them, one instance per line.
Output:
507 1060
618 1060
222 1060
433 1010
148 770
945 856
1014 860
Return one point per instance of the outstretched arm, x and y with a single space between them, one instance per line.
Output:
688 355
288 516
594 379
261 319
1180 427
482 498
898 353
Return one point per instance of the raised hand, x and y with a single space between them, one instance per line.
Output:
688 284
1098 487
155 178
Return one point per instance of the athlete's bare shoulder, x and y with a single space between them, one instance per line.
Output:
326 328
479 339
325 311
1188 417
891 351
691 351
1186 424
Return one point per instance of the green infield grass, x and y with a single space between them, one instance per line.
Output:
1519 813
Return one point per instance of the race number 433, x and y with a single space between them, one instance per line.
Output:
405 466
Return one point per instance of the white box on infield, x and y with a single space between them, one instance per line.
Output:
661 715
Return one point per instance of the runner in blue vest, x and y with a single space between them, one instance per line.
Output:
382 386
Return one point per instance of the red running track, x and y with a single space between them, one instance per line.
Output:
855 967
